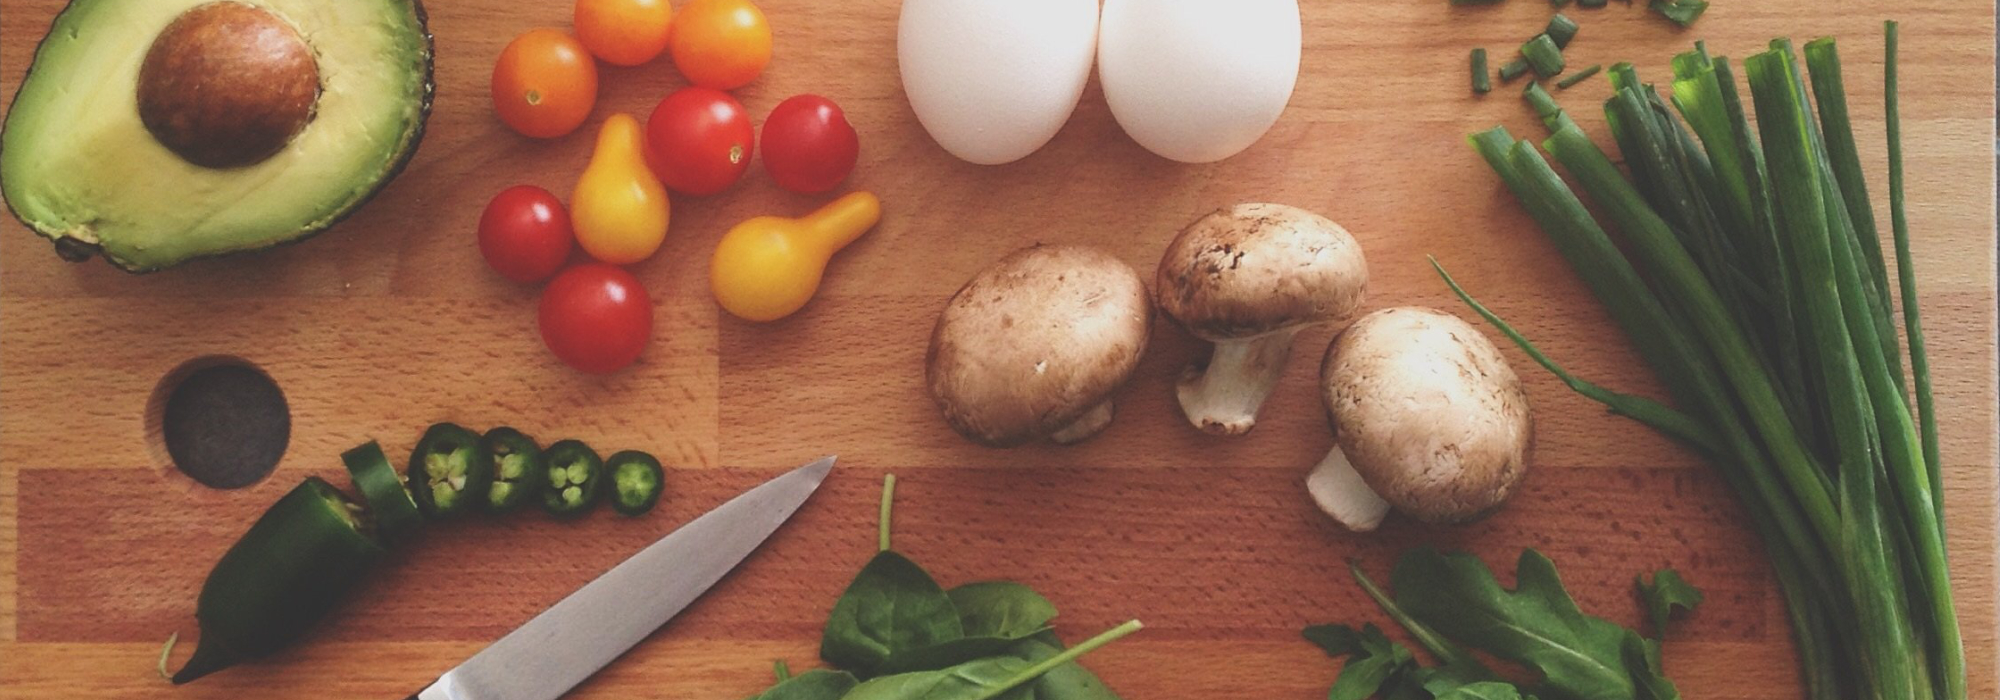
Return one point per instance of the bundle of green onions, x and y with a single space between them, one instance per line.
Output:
1751 279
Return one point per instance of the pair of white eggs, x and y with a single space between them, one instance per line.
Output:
1196 81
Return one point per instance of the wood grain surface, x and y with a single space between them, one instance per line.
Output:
391 321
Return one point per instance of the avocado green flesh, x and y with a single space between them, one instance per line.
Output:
76 162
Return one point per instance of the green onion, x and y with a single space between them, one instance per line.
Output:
1513 69
1748 275
1482 80
1590 3
1579 76
1682 12
1912 323
1542 55
1545 107
1558 3
1562 29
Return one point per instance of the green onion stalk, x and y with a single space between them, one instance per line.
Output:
1748 270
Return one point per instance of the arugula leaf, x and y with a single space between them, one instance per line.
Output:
1001 609
1375 665
1438 680
817 684
1665 592
1336 640
893 607
1642 660
1536 624
1450 654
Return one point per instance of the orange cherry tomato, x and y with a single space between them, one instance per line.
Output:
721 44
623 32
544 84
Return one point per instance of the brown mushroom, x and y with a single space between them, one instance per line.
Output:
1249 278
1426 413
1033 346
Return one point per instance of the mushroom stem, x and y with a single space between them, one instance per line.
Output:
1085 425
1223 398
1340 491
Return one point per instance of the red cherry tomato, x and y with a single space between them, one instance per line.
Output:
699 141
808 145
524 233
596 317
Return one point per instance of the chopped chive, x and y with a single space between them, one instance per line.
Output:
1482 81
1579 76
1543 55
1513 69
1590 3
1558 3
1682 12
1561 29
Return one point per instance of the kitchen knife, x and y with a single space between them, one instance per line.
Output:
550 654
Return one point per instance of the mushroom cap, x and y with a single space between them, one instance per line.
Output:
1035 341
1253 269
1428 412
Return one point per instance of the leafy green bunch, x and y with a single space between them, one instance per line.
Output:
895 634
1450 603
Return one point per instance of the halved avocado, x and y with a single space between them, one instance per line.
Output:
157 131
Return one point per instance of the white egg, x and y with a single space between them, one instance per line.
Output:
1198 80
993 80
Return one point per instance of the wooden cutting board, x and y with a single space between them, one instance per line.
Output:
391 322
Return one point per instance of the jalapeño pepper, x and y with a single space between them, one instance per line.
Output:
282 577
395 514
449 472
573 480
636 482
518 471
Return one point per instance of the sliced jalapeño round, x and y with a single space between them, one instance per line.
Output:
449 472
517 469
573 480
636 482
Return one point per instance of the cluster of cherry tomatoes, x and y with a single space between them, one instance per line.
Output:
698 140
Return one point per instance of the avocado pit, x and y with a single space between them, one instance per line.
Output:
227 85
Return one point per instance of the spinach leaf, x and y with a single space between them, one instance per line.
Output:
1665 592
1070 681
946 654
995 678
1483 690
985 679
817 684
994 616
1001 609
1536 624
893 607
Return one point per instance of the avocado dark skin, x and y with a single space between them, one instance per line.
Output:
77 249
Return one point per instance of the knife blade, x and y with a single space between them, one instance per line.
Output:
559 648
